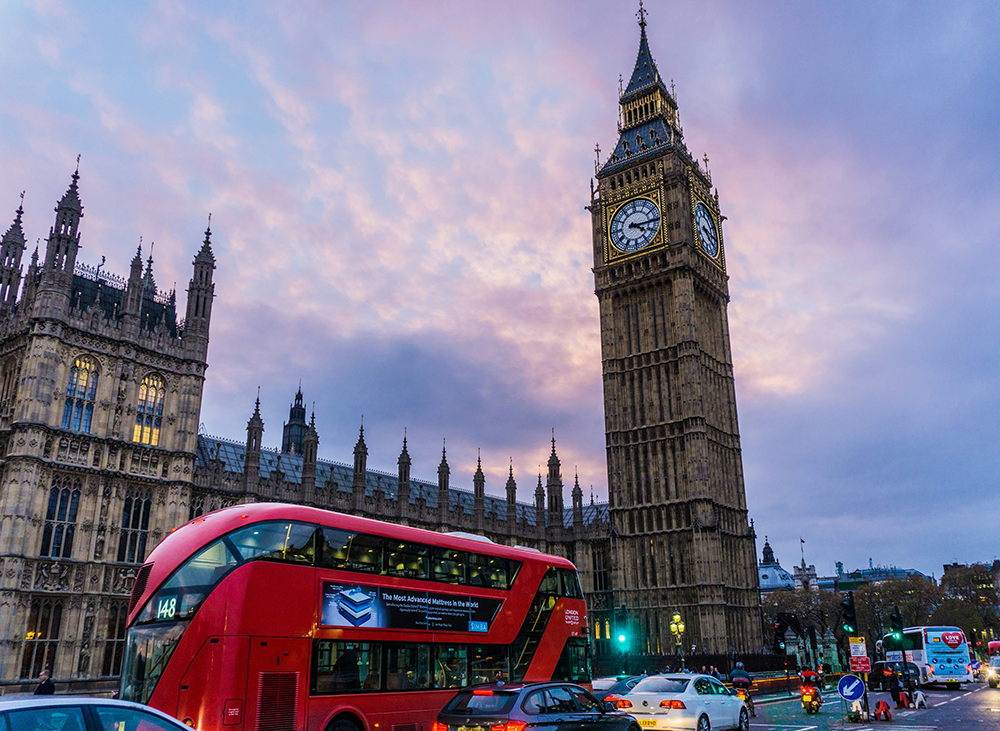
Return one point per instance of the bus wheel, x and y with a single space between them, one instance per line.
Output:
342 724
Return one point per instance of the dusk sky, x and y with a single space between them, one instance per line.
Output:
397 193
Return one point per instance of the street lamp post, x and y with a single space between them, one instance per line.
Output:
677 630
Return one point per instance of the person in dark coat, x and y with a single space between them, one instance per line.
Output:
46 687
893 683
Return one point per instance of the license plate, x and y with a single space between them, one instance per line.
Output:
469 728
647 722
807 698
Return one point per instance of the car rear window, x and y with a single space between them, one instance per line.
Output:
481 701
661 685
604 683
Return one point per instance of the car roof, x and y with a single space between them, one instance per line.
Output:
49 701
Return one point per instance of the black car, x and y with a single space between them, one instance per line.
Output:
604 687
540 706
878 678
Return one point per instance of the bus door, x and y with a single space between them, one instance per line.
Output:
216 668
277 684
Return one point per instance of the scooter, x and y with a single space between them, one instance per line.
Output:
812 699
744 695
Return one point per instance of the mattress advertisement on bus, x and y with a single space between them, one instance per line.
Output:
361 605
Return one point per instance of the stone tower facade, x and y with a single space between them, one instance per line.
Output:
100 401
680 535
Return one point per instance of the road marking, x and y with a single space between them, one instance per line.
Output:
940 704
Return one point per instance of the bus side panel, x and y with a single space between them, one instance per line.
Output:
213 690
564 622
277 684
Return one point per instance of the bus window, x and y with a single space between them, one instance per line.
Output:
408 560
365 554
448 566
284 541
574 663
489 572
569 584
489 663
184 592
451 666
408 667
550 583
345 667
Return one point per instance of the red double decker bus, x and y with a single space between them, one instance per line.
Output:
273 617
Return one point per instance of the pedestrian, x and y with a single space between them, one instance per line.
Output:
894 685
46 687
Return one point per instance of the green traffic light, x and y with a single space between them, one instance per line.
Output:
621 638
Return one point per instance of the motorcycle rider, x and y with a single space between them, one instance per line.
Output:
741 679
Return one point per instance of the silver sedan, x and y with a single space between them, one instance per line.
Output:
678 701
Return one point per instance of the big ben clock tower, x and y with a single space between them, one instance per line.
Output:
680 537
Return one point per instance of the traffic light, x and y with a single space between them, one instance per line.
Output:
621 629
896 624
848 618
779 636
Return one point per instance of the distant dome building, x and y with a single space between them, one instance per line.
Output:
772 576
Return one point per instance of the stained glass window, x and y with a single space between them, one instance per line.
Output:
80 393
149 411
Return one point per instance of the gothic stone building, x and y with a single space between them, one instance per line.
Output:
100 457
100 398
680 535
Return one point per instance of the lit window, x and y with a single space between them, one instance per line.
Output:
80 392
149 411
42 637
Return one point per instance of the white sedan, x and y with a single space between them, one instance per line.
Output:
678 701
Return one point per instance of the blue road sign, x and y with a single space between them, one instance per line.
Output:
851 688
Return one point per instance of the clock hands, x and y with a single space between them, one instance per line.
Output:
642 224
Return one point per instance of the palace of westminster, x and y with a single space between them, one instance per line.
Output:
101 386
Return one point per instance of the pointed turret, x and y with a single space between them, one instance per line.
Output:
648 121
251 463
31 281
444 474
310 447
403 489
540 521
511 500
360 470
577 504
479 495
61 249
555 488
12 247
294 431
201 292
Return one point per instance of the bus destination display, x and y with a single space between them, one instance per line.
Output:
360 605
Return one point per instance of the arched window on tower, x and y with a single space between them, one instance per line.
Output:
149 411
60 519
80 392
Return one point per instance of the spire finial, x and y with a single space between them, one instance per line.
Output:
444 445
511 466
641 15
20 208
77 173
404 438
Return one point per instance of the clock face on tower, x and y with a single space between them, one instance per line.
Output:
634 225
704 224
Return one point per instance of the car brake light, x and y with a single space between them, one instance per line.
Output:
439 726
673 704
622 703
510 726
482 692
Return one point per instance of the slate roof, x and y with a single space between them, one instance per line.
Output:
645 77
233 455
